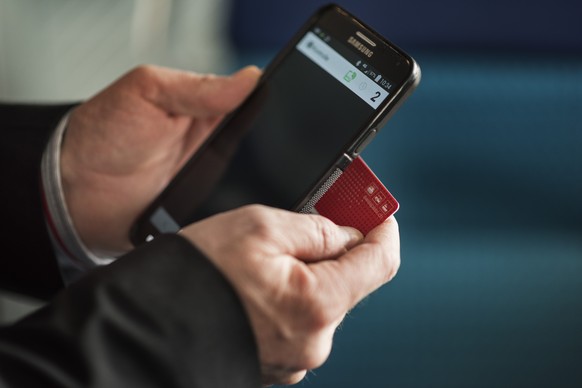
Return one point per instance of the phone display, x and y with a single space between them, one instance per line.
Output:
315 108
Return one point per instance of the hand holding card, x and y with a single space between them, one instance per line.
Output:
357 199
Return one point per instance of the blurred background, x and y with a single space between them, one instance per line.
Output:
485 159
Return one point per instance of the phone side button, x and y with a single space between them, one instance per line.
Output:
365 141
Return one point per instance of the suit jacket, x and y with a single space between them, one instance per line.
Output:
160 316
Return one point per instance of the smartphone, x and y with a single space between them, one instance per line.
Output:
320 101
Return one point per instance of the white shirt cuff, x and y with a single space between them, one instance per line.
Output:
73 257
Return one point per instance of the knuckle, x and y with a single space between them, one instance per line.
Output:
303 282
282 376
143 72
259 220
318 316
206 77
315 353
312 313
207 85
145 79
328 232
256 224
321 318
395 268
390 265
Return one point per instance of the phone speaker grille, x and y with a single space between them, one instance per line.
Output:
310 205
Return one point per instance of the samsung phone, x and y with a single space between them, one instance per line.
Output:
317 105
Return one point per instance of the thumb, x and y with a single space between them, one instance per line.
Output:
312 237
262 231
201 95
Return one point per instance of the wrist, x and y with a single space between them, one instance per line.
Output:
60 221
92 194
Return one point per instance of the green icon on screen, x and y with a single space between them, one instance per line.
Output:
350 76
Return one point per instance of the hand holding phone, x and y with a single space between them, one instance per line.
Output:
317 106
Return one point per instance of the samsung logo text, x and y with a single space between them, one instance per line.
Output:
360 47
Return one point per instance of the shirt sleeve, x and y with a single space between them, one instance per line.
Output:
73 257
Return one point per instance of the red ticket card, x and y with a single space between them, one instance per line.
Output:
357 199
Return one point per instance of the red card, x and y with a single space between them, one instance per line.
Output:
357 199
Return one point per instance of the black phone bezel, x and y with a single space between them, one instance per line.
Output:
339 23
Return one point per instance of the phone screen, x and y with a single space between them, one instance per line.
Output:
310 108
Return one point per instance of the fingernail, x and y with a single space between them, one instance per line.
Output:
250 70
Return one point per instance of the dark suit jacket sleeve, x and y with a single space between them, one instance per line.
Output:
161 316
27 262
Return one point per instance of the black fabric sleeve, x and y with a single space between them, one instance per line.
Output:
161 316
28 265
